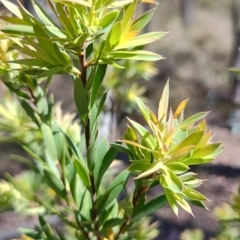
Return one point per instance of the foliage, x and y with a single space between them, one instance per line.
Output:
228 215
66 157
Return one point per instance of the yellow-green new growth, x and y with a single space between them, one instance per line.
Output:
165 153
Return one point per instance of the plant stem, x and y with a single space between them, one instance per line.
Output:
84 66
82 59
135 201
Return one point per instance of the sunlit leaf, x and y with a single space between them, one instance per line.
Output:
180 108
155 167
194 195
193 119
177 167
172 180
163 103
141 55
142 21
141 40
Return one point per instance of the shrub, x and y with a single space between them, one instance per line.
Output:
70 164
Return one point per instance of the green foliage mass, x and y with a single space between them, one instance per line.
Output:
70 164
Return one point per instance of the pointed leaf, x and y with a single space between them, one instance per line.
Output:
82 172
172 180
80 98
153 169
142 21
163 104
180 108
196 117
140 55
150 207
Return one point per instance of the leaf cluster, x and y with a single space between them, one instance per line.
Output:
165 153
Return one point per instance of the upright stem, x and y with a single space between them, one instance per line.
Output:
82 59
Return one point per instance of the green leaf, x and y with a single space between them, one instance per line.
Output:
197 161
12 8
98 79
42 14
72 145
30 112
139 167
106 162
31 62
177 156
145 134
44 42
163 103
80 98
82 172
86 205
177 167
207 150
18 30
101 103
192 140
112 223
49 141
198 203
108 19
196 117
64 19
183 203
135 144
14 21
51 162
80 39
193 194
187 176
127 206
102 149
154 167
144 110
140 55
141 40
31 233
55 32
171 200
142 21
113 190
172 180
114 36
46 227
121 148
150 207
106 213
234 70
128 15
51 72
59 142
55 182
34 155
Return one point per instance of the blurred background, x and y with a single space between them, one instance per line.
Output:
201 45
